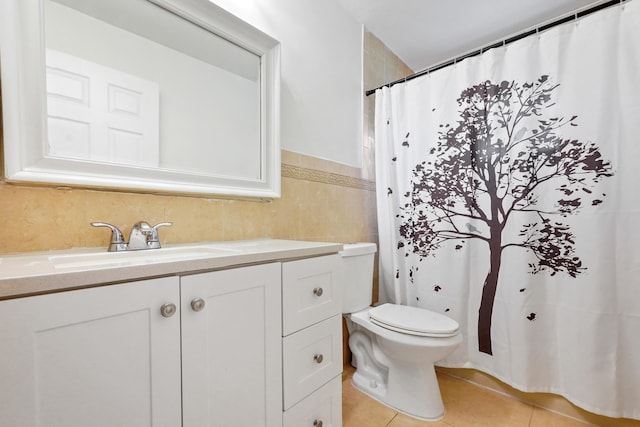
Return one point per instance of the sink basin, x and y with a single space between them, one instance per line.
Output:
138 257
258 245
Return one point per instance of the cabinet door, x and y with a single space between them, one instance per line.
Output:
231 349
99 357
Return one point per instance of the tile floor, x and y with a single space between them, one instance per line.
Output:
466 405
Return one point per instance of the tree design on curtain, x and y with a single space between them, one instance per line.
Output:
490 170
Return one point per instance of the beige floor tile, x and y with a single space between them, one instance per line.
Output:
404 421
466 405
543 418
359 410
469 405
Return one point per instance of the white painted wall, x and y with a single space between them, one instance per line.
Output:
321 73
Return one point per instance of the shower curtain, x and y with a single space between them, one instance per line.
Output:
508 199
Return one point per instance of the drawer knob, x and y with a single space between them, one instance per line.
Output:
168 310
317 292
318 358
317 423
197 304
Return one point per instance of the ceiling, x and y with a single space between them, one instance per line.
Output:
425 32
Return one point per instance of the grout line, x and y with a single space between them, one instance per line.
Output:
391 420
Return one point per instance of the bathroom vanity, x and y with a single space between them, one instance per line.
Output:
243 333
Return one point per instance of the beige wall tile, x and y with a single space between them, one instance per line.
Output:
45 218
381 64
242 220
291 158
329 166
313 211
194 220
30 220
287 210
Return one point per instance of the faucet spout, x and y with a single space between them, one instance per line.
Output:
140 233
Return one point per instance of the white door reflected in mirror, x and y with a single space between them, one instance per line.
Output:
99 113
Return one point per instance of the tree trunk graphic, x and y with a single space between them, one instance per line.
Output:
488 171
485 313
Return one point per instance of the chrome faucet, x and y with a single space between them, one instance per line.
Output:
143 236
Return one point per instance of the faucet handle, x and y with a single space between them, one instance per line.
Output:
117 241
162 224
154 239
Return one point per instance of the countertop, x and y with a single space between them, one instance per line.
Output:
32 273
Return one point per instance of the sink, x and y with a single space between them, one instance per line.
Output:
251 245
101 259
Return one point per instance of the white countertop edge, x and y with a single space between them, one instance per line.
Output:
32 273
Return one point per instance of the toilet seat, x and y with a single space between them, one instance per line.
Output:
413 321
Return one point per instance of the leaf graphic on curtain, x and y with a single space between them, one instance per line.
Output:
490 169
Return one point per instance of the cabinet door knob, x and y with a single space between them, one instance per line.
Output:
318 358
197 304
168 310
317 291
317 423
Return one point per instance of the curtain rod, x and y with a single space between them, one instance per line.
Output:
568 18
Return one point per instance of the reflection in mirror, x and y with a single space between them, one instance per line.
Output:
136 84
145 93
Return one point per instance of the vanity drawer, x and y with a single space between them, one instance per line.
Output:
310 358
311 291
323 407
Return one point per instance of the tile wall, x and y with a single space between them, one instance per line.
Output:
321 200
381 66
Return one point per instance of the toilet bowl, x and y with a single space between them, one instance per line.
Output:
394 347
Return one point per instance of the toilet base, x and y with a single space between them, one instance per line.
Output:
408 387
423 402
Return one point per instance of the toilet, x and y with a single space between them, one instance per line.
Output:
394 347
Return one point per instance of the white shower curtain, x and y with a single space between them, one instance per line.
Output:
508 199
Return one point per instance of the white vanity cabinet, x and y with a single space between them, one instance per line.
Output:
192 336
99 357
312 342
107 356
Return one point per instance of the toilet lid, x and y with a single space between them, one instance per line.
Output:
413 320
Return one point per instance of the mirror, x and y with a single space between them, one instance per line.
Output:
155 95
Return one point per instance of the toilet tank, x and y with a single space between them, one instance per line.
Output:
358 276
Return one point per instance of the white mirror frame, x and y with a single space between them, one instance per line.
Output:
22 61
